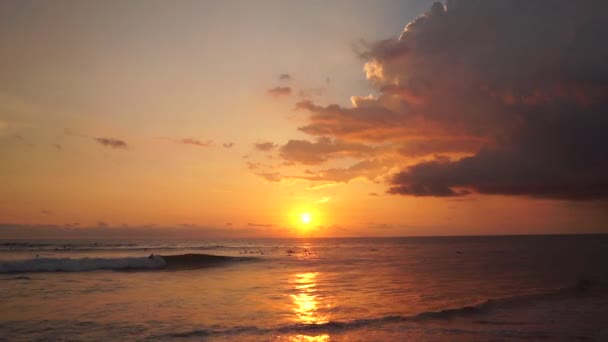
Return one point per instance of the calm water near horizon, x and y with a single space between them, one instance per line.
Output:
355 289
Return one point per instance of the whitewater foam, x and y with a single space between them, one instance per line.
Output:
156 262
80 265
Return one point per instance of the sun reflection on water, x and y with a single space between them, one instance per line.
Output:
306 306
307 338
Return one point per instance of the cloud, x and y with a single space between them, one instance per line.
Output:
515 93
228 145
270 176
312 153
323 199
265 146
57 146
264 225
112 143
371 170
185 231
285 77
279 91
196 142
311 92
253 165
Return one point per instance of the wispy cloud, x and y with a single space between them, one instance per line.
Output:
196 142
112 143
323 199
265 146
265 225
279 91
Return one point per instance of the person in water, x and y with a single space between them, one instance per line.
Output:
151 256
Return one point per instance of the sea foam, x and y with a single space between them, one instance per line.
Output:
171 262
82 264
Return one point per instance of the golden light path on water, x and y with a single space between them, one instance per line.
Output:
306 306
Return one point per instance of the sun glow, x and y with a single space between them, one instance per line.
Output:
305 218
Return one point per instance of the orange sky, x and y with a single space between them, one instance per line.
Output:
230 117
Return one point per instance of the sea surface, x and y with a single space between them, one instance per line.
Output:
503 288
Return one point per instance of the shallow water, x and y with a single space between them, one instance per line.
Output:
323 290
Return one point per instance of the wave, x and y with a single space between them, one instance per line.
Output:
156 262
582 288
90 247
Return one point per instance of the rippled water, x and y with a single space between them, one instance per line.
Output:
307 290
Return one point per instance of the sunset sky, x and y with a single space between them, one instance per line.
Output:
235 118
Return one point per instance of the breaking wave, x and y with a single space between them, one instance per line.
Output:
157 262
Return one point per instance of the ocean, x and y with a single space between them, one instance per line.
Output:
494 288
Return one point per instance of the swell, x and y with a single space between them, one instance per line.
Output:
91 247
582 288
156 262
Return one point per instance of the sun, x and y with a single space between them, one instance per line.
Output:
305 218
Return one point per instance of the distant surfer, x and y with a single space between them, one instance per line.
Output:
151 256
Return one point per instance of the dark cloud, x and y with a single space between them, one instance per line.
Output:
279 91
265 146
112 143
196 142
516 92
285 77
566 161
311 153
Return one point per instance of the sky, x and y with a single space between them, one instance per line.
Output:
236 118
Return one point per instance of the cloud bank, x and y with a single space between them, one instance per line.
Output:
490 97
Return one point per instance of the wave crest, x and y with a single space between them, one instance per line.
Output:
174 262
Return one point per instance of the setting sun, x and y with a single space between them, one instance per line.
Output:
305 218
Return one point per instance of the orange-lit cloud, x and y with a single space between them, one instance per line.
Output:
311 153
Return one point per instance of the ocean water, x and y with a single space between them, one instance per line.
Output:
504 288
